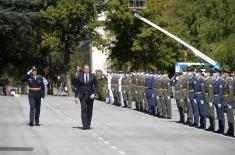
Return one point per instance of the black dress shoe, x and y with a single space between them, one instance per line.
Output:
86 128
201 127
210 129
219 131
188 122
37 124
31 124
229 133
194 125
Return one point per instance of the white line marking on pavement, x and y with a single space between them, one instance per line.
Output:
113 147
94 134
106 142
121 152
100 138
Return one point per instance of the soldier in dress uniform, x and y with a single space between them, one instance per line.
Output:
209 97
228 102
135 91
124 89
145 102
150 94
199 88
193 101
218 100
178 97
120 85
185 92
167 112
36 93
113 87
129 90
159 97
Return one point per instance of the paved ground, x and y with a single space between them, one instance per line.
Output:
116 131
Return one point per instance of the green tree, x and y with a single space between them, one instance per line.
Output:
70 21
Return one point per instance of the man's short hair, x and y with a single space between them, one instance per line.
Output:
85 66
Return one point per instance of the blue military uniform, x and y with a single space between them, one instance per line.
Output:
199 88
218 102
36 92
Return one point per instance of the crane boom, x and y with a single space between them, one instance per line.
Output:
194 50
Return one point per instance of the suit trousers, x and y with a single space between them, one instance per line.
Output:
86 110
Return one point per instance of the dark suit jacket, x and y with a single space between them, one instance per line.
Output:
83 88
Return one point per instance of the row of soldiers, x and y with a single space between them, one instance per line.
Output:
148 93
200 95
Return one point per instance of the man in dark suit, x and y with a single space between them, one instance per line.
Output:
86 91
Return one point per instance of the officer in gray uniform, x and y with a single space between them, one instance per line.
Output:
144 99
124 84
135 91
209 98
159 97
167 112
179 97
115 89
129 90
140 91
228 99
185 94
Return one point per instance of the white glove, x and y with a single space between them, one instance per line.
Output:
157 97
229 106
195 101
202 102
210 104
219 105
188 100
181 100
168 97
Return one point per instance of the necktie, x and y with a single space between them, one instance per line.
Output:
86 78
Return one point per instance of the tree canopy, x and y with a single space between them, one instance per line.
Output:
207 25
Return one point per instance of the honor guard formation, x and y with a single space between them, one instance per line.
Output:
199 95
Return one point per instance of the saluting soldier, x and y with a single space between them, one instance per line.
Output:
228 99
167 96
218 100
36 93
209 97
